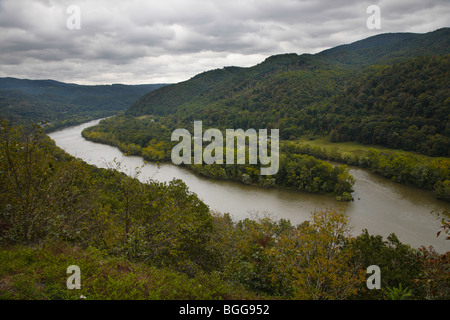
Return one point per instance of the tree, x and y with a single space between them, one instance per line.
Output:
130 190
253 259
445 225
318 255
434 277
40 197
442 189
397 262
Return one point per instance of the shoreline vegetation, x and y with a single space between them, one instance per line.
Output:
134 240
154 240
296 171
405 167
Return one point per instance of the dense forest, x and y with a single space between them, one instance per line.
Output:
403 167
403 106
153 240
296 93
60 104
150 139
398 98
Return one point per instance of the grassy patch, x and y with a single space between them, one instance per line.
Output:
351 148
146 116
29 273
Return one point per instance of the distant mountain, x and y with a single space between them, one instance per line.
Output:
24 100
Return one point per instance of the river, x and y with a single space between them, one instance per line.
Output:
381 206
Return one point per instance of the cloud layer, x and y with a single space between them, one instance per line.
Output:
141 41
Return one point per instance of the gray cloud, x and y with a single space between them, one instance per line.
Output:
168 41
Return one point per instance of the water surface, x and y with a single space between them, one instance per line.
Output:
381 206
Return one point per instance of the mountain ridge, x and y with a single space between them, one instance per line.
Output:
25 100
300 93
398 47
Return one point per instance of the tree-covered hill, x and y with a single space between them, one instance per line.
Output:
390 90
166 99
23 100
406 106
300 93
389 48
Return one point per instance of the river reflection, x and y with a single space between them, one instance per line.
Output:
381 206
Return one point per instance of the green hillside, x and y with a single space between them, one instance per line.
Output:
134 240
389 91
155 240
389 48
406 106
300 93
166 99
62 104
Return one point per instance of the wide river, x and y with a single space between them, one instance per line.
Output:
381 206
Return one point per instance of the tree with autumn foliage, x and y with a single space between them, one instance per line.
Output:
434 277
318 255
314 260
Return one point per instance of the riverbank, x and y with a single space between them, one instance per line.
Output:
146 137
151 140
405 167
381 205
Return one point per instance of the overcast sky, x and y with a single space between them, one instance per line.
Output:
142 41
